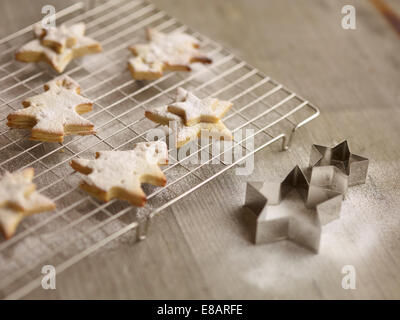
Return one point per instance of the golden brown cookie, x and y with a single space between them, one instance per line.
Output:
177 124
18 199
185 134
58 46
59 38
175 51
194 110
54 113
119 174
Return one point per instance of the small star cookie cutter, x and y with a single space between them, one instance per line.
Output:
303 225
340 156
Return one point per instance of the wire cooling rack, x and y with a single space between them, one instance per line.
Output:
81 224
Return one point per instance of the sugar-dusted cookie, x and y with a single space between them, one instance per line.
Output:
34 51
54 113
119 174
59 38
9 221
58 46
183 133
194 110
18 199
14 187
175 51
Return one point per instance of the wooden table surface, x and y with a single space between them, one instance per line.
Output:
200 247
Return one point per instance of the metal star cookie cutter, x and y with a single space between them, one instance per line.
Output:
340 156
320 205
325 178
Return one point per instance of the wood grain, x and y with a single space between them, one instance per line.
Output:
200 247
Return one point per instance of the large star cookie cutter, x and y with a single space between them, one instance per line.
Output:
301 223
340 156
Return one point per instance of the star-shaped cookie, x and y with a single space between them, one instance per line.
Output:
15 187
18 199
355 166
194 110
175 51
54 113
59 38
58 46
119 174
185 133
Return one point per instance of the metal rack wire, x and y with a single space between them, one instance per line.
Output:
81 224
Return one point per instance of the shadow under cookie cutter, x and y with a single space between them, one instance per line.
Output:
304 228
